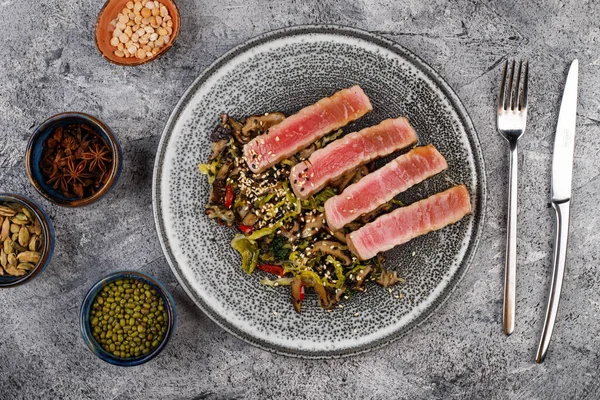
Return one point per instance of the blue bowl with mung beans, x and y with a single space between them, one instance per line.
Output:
127 318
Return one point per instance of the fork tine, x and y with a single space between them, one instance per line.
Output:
510 87
502 87
515 99
523 99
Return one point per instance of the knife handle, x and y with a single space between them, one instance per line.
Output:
510 271
560 255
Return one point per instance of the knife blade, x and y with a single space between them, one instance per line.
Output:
564 141
562 176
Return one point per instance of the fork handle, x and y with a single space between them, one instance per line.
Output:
560 257
510 273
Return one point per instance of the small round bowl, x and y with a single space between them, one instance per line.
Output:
104 31
47 246
33 155
86 307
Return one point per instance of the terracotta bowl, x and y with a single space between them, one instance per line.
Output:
104 31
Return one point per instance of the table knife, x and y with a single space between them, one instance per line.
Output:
562 176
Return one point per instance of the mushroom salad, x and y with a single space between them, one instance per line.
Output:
279 234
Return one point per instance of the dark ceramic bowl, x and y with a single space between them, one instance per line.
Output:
33 155
86 307
104 31
47 244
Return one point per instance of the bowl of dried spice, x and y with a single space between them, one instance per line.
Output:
73 159
26 240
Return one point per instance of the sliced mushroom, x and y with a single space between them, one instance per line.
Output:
231 123
221 132
343 181
304 154
243 211
339 235
222 174
360 173
260 123
362 274
339 293
250 219
313 226
333 248
216 194
235 127
297 295
291 233
373 214
388 278
217 149
323 296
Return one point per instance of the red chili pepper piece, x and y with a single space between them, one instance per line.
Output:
229 195
302 293
272 269
246 228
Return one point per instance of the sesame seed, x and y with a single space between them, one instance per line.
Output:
276 138
348 198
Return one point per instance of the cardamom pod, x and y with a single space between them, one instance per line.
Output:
14 228
33 243
12 260
7 211
17 248
27 213
26 266
22 217
19 221
24 236
29 256
5 230
38 227
3 258
14 271
8 248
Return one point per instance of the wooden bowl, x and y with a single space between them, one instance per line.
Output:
104 31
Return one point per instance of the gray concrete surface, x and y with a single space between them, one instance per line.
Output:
48 64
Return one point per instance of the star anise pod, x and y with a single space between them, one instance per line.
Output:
97 157
75 173
58 180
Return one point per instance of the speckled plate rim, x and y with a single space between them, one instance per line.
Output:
377 40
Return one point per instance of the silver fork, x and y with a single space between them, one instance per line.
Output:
512 118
